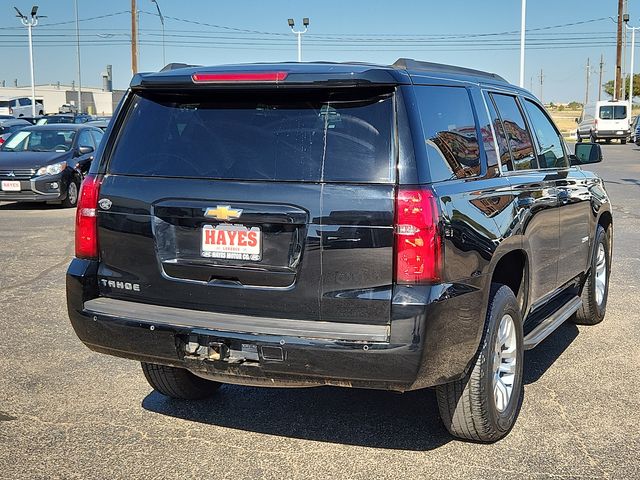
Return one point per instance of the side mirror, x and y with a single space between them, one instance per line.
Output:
587 153
85 150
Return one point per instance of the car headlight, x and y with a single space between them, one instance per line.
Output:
54 169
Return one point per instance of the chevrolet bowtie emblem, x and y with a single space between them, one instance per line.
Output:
223 212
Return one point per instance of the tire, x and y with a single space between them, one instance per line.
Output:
72 195
593 138
623 141
578 137
594 304
607 141
177 382
469 407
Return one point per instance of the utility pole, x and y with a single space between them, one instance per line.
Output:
618 78
522 38
134 37
164 60
79 110
586 95
600 79
541 82
305 22
30 23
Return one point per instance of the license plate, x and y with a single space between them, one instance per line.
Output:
619 133
231 242
10 186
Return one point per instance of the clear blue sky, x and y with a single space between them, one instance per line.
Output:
377 31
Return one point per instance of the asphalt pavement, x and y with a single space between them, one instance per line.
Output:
66 412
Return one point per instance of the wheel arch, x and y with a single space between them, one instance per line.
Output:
511 268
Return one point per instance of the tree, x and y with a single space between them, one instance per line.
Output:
574 105
608 87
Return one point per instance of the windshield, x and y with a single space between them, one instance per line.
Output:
613 112
39 141
312 136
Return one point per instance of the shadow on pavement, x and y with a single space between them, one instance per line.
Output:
28 206
538 360
368 418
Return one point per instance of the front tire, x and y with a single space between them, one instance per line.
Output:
484 404
596 286
72 195
593 138
177 382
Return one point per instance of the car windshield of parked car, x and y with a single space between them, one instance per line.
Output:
613 112
40 141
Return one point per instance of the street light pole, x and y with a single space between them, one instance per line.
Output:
633 44
164 60
305 22
30 23
522 37
79 110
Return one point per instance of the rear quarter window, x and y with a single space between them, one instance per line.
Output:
282 136
450 132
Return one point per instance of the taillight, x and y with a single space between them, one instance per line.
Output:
86 219
417 237
246 77
1 140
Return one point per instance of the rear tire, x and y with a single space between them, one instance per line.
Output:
484 404
177 382
623 141
596 286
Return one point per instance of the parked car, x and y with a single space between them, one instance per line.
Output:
391 227
633 127
31 120
68 108
102 124
7 127
19 107
637 135
604 120
64 118
46 163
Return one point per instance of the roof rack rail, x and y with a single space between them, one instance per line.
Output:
411 64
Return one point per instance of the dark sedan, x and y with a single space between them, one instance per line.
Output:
47 163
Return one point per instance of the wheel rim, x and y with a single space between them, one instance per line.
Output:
601 274
504 363
73 193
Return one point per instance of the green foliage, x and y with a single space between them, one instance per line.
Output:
561 108
608 87
574 106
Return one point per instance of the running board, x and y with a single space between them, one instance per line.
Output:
549 324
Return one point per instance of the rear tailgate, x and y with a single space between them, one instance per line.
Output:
272 204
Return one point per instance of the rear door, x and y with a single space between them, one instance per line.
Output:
265 203
613 117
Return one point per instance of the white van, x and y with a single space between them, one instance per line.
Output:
19 107
604 120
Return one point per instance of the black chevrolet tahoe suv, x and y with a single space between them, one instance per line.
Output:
389 227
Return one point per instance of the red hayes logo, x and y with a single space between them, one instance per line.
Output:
236 238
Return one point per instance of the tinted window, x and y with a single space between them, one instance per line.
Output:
310 136
24 101
516 133
613 112
4 103
85 139
503 146
549 141
450 132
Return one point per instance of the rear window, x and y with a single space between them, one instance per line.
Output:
289 136
4 103
613 112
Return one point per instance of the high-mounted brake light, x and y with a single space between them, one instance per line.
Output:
417 237
247 77
86 219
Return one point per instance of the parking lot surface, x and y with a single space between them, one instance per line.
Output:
66 412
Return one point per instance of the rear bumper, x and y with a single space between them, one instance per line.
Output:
611 133
427 343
